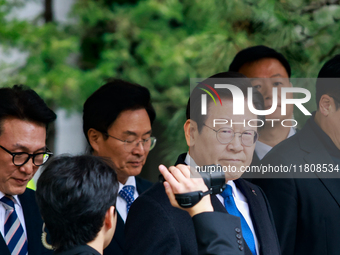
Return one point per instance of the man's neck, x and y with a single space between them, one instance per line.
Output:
322 122
97 244
273 135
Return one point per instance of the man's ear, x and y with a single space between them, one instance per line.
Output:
191 131
110 218
94 138
325 104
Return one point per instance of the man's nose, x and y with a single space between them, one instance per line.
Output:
235 144
28 167
138 148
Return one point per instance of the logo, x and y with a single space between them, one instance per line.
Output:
238 99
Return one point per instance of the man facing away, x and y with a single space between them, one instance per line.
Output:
76 197
117 121
155 227
267 69
306 202
24 118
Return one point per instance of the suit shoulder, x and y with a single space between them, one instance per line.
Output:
142 184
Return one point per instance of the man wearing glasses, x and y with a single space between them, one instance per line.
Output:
155 227
24 118
117 121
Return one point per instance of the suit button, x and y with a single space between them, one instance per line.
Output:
238 236
240 247
239 241
237 230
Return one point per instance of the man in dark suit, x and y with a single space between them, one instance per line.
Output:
77 197
24 118
267 69
306 202
155 227
117 121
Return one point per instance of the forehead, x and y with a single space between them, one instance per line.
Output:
226 111
132 120
26 133
264 68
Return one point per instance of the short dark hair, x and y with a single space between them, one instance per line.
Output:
25 104
331 87
102 108
255 53
74 194
193 110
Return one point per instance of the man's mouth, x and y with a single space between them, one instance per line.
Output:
136 162
21 181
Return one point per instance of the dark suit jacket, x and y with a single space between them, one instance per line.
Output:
214 235
79 250
117 244
33 223
306 211
155 227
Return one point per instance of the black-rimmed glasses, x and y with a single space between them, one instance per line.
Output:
148 144
226 135
21 158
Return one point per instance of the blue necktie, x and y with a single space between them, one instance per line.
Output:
127 193
14 233
230 205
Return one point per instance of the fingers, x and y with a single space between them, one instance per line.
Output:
170 194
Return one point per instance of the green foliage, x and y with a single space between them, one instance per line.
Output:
161 44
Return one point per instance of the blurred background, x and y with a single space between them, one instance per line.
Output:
65 49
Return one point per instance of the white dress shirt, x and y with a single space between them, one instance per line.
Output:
18 210
240 201
121 202
262 149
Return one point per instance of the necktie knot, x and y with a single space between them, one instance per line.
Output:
227 192
127 193
8 201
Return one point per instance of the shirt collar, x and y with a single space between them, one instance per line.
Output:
130 181
16 199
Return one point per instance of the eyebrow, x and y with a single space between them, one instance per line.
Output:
135 134
24 148
273 76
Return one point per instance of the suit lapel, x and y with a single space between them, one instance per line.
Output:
317 154
119 232
264 228
33 222
3 247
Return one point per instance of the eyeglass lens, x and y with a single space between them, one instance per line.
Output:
248 138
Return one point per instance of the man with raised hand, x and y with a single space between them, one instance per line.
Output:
24 118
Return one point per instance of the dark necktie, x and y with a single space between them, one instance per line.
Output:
230 205
127 193
14 233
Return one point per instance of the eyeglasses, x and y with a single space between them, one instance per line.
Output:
226 135
21 158
148 144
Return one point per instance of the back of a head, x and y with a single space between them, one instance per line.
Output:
103 107
73 194
328 81
193 110
255 53
25 104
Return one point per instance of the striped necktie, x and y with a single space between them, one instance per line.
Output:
14 233
230 205
127 193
